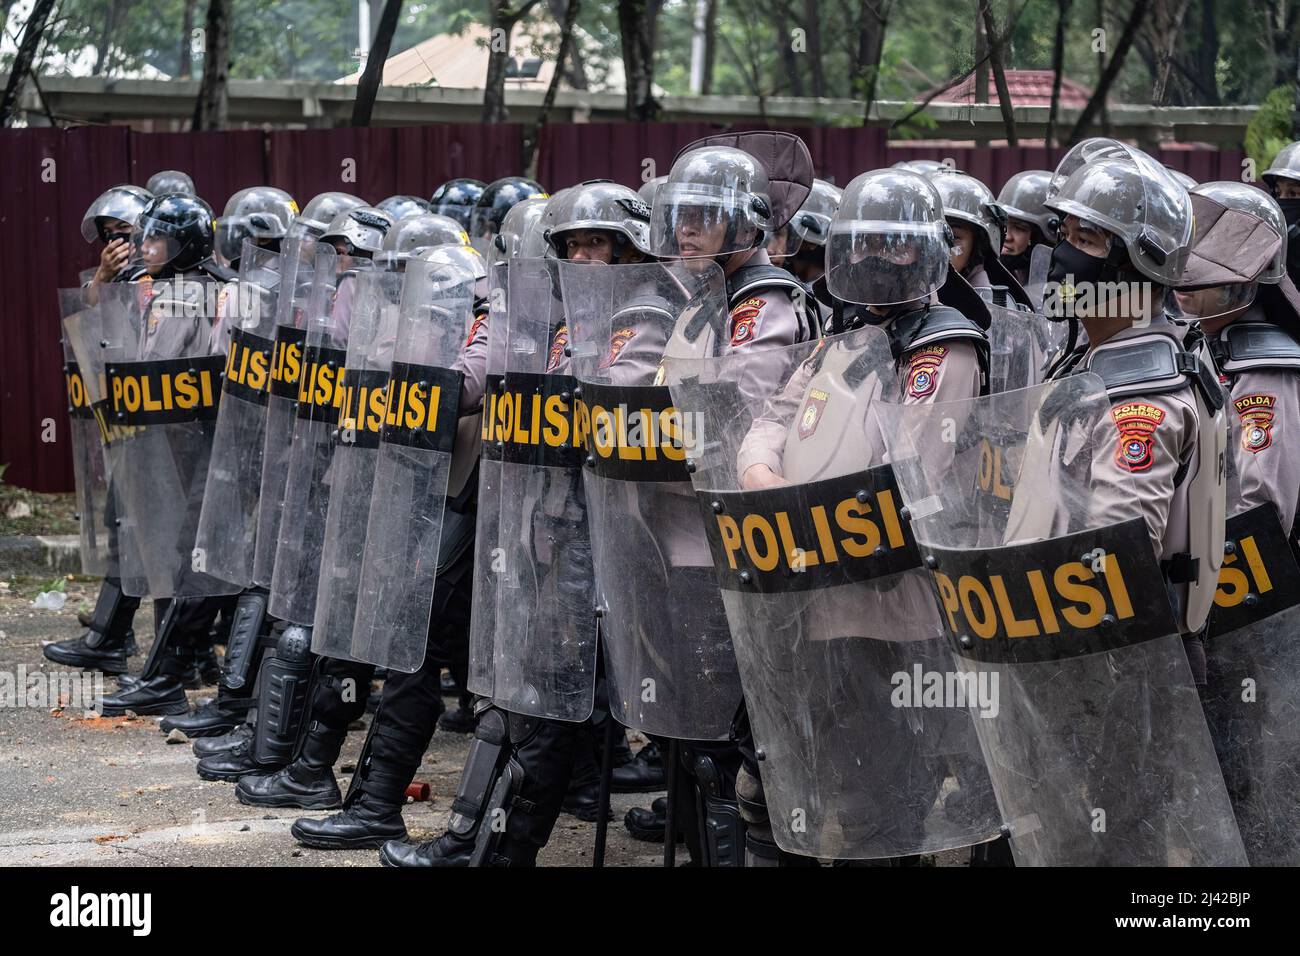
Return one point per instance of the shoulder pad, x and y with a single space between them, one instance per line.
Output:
1258 345
649 304
750 279
217 271
1151 365
938 322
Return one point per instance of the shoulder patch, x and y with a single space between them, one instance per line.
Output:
923 370
1256 412
745 320
474 327
558 344
1137 423
617 342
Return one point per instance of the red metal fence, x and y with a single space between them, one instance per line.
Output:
51 176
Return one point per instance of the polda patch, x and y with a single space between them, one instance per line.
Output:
558 345
745 321
1256 412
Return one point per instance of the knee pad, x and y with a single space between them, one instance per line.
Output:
242 646
282 696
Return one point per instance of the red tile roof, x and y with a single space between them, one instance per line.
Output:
1027 88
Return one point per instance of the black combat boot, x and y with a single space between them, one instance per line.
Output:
372 817
448 850
308 783
644 773
108 640
164 694
212 719
206 746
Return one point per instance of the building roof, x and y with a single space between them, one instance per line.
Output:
460 60
1027 88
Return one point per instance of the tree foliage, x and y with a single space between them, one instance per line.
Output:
1229 51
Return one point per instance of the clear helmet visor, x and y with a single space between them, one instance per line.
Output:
691 221
784 242
1201 304
885 263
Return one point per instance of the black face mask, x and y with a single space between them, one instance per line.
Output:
1018 261
1290 209
1069 261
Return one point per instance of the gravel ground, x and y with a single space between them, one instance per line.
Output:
113 792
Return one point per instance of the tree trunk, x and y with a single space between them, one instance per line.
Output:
502 28
528 160
1207 55
710 46
789 59
22 64
185 65
105 37
1167 24
873 18
1058 61
1098 98
575 69
813 30
981 58
636 25
996 41
212 108
373 75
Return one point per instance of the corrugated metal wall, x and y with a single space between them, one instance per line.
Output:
51 176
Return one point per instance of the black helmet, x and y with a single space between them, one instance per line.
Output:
403 207
496 201
456 198
168 182
187 228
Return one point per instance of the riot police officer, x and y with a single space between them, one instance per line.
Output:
1126 232
457 198
175 241
109 638
1030 225
1283 180
497 199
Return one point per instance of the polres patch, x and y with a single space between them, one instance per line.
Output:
1256 413
617 342
745 321
1137 423
923 370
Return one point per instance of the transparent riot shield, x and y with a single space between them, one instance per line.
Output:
227 532
400 557
293 307
544 643
89 469
1040 264
669 660
1252 699
1056 609
162 369
369 303
1019 344
837 637
307 482
487 519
